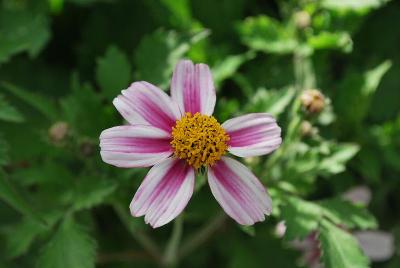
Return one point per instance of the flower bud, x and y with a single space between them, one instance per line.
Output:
58 132
306 129
87 148
302 19
313 101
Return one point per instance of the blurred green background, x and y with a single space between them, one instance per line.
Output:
334 182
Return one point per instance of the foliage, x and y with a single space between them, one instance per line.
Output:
63 61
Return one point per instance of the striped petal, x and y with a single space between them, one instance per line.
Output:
164 193
134 146
143 103
192 88
239 192
253 134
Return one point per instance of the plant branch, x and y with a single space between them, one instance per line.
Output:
171 251
205 232
141 237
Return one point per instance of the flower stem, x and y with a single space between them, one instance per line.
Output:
205 232
170 257
141 237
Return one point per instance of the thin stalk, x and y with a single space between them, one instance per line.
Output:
141 237
205 232
171 251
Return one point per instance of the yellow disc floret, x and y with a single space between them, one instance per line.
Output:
199 139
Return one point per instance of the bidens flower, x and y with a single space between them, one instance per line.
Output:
178 135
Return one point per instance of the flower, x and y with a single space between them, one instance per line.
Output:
178 135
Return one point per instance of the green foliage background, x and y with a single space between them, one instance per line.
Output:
65 60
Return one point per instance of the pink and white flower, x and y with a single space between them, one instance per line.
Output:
178 135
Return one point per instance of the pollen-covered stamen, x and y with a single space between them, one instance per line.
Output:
199 139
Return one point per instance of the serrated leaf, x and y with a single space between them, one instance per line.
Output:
70 246
336 161
301 217
41 103
113 72
158 53
8 112
91 193
339 248
21 236
22 30
266 34
342 212
228 66
81 106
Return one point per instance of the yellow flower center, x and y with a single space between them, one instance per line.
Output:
199 139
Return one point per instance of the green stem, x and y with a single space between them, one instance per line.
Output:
304 77
171 251
141 237
205 232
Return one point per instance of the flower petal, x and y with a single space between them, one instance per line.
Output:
164 193
253 134
143 103
134 146
239 192
377 245
192 88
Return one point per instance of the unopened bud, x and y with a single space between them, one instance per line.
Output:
87 148
280 229
302 19
58 132
313 101
306 129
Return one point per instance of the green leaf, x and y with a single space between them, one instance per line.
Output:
41 103
266 34
228 66
20 238
158 53
81 106
271 101
339 248
301 217
22 30
9 113
14 199
354 95
342 212
113 72
329 40
91 192
337 159
70 246
181 15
